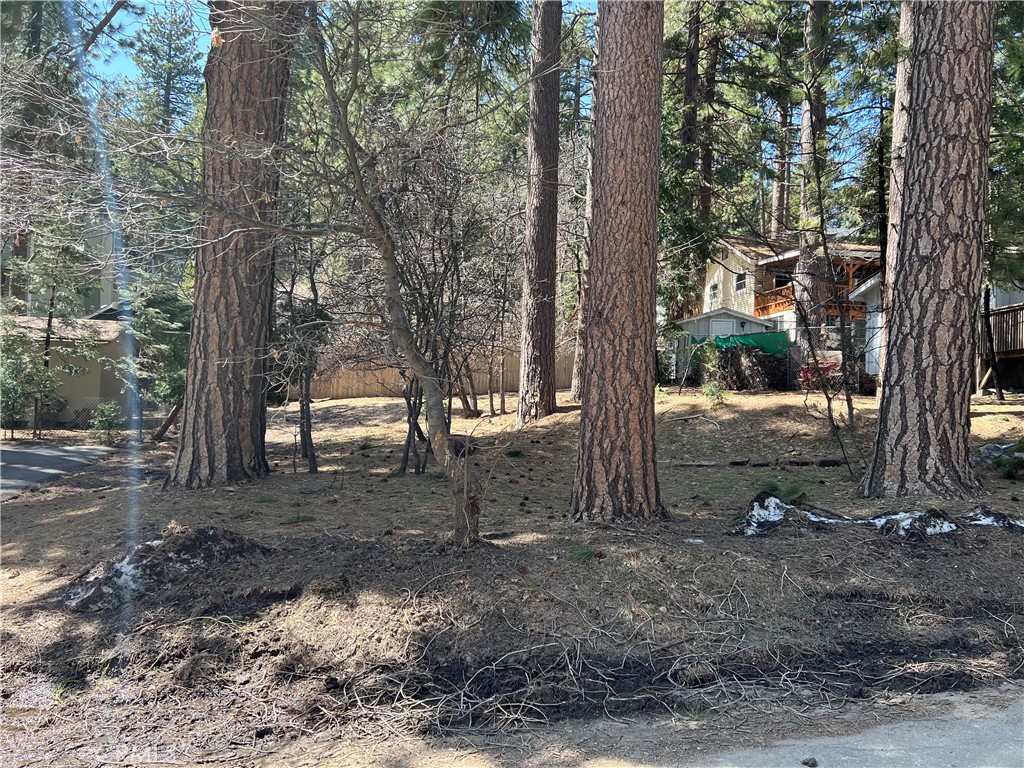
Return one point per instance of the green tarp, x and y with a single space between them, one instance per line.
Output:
774 343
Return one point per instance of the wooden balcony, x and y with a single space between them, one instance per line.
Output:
782 300
1007 331
774 301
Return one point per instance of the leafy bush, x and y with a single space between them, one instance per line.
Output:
715 395
106 420
52 406
1009 466
23 377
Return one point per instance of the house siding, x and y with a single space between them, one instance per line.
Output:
722 271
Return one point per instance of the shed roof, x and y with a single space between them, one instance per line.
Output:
101 331
725 311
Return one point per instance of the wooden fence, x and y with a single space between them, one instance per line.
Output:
385 382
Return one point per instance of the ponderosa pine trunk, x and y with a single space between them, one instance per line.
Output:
247 78
616 477
706 183
691 101
897 159
921 447
537 347
780 185
811 283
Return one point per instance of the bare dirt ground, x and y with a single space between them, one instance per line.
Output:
335 630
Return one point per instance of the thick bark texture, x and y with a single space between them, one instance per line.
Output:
811 284
780 185
921 447
537 349
616 475
247 77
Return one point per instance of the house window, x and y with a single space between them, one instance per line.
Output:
741 282
713 292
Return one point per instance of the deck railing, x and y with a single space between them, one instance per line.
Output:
1008 330
774 301
782 300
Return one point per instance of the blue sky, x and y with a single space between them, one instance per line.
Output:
118 64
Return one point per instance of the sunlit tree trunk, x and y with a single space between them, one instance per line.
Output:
247 78
897 155
811 286
921 447
780 185
616 475
537 348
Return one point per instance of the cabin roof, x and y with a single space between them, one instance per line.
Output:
101 331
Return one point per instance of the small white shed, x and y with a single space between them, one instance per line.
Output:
723 322
717 322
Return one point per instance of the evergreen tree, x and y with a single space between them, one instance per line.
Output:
616 472
921 447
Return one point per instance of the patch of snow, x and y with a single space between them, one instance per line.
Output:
760 518
819 519
939 527
126 575
983 516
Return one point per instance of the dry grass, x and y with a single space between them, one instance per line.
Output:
357 623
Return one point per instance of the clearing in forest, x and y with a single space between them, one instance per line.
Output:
322 607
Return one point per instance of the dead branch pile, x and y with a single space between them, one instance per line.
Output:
749 368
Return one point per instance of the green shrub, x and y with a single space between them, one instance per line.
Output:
106 420
714 394
790 492
1009 466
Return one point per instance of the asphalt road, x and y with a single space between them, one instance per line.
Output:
972 735
22 468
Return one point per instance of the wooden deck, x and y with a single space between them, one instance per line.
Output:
782 300
1008 330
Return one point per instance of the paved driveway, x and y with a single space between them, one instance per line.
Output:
972 735
21 468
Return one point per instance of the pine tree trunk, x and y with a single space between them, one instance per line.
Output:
616 476
306 419
780 186
582 274
247 77
897 160
537 349
707 157
921 447
691 100
811 284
